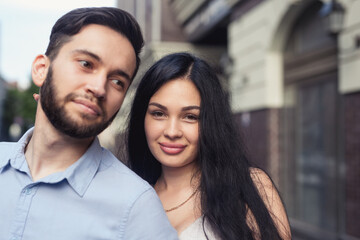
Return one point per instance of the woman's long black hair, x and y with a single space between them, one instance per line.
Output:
226 187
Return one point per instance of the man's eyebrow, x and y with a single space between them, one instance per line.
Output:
120 72
97 58
90 54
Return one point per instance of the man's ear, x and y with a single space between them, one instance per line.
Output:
39 70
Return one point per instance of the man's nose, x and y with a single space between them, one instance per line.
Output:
97 86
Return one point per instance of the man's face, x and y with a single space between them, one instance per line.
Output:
87 81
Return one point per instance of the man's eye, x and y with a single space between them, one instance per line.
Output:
120 85
85 64
118 82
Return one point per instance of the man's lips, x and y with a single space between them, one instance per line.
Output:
172 148
88 106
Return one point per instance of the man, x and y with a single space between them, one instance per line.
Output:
57 182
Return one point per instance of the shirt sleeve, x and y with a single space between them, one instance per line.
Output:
147 220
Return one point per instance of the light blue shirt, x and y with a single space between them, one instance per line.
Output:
97 197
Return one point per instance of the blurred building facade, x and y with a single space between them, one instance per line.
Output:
295 90
2 98
295 93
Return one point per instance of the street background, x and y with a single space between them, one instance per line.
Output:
291 69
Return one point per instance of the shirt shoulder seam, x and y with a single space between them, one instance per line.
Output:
126 218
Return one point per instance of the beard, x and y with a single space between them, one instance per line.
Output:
61 119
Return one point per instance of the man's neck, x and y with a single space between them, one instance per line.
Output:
50 151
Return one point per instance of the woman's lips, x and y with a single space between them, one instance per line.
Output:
171 148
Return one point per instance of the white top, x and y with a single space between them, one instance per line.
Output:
196 232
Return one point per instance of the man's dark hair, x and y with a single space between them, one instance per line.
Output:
72 22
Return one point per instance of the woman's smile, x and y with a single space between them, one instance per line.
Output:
172 148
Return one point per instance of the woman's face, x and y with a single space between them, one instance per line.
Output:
172 123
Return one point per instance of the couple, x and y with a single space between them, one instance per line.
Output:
58 183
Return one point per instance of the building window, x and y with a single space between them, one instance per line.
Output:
310 126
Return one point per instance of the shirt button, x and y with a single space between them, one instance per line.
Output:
27 191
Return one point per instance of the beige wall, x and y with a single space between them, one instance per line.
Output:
256 79
349 56
256 41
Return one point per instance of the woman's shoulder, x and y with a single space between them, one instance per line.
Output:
270 195
261 179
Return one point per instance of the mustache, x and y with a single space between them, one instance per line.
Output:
72 96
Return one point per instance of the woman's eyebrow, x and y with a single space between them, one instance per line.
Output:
182 109
190 108
158 105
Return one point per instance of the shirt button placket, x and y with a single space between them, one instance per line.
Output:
22 211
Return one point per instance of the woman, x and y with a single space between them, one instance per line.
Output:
183 141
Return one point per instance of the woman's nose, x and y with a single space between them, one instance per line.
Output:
173 129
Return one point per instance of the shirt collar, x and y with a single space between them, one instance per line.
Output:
79 175
4 160
15 155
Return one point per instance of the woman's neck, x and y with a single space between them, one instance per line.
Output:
177 189
175 179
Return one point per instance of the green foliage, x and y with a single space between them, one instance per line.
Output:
20 106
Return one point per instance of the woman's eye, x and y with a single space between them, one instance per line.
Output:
85 64
191 117
157 114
